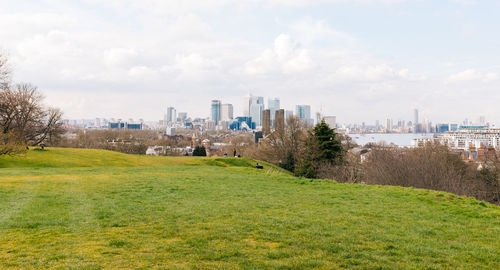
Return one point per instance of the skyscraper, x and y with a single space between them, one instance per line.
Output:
331 121
273 104
256 114
415 121
216 111
227 112
318 117
279 120
266 122
248 100
171 115
259 100
182 116
304 113
252 107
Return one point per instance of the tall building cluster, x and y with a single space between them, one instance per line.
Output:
257 115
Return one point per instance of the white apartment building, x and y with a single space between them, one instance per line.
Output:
226 112
465 137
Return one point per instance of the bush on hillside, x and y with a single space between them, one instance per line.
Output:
10 144
199 151
432 166
284 148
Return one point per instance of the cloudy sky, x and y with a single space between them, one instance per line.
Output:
360 60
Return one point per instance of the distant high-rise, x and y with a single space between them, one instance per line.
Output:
259 100
273 104
227 112
171 115
288 113
331 121
279 120
210 125
216 111
304 113
248 101
256 114
182 116
318 117
266 122
415 121
388 125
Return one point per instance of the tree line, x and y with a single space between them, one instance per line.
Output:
299 148
319 152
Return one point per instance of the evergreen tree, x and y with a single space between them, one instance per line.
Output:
199 151
289 162
329 148
322 147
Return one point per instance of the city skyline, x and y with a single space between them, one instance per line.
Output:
105 57
225 112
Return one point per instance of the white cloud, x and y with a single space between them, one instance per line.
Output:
318 31
464 2
490 76
120 57
471 75
194 63
285 57
174 6
142 72
376 72
189 27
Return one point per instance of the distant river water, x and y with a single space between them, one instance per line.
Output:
399 139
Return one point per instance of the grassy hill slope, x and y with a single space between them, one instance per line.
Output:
76 158
93 209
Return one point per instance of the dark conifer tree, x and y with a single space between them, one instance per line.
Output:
322 147
330 148
199 151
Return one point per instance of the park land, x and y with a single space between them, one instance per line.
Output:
93 209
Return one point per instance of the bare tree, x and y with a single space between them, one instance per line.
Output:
350 170
242 144
23 115
125 141
284 147
433 166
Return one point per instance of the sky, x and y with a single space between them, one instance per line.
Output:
360 60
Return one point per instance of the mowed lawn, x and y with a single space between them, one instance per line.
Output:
91 209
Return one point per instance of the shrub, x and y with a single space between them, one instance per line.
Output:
199 151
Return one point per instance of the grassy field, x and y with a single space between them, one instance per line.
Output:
92 209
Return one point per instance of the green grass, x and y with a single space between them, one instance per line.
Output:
72 157
92 209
